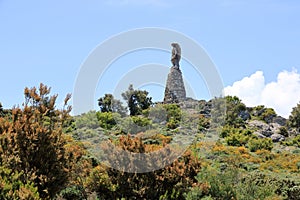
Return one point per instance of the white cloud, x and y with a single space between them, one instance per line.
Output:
282 95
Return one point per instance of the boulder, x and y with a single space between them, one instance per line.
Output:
277 137
263 128
245 115
275 127
279 120
259 124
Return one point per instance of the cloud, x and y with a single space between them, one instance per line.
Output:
282 95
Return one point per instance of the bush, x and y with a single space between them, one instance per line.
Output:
11 186
174 115
141 121
219 185
72 192
234 107
204 123
263 113
172 124
296 141
107 119
283 131
255 144
252 188
231 183
235 136
236 139
134 124
168 182
32 141
87 120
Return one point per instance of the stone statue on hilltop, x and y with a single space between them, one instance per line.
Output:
176 55
175 90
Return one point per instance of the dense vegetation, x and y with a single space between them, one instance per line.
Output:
45 153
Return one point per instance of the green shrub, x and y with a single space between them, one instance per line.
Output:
298 165
72 192
12 186
141 121
172 124
106 119
251 187
220 185
233 183
234 107
283 131
203 123
255 144
296 141
263 113
235 136
236 139
87 120
135 124
158 113
173 112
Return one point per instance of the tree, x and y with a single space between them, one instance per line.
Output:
294 118
1 110
234 107
32 141
109 104
137 100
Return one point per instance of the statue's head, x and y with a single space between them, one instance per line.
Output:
174 44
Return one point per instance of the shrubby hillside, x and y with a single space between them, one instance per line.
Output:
226 150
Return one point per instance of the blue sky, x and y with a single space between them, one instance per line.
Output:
47 41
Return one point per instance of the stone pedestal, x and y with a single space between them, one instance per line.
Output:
175 90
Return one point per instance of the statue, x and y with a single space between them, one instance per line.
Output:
176 55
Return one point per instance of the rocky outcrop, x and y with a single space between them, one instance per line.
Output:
277 137
279 120
245 115
175 90
265 130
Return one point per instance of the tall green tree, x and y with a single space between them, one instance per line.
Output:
1 110
234 107
109 104
137 100
294 118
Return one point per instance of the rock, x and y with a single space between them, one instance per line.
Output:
259 124
175 90
275 128
245 115
293 132
189 103
267 133
279 120
269 118
258 112
277 137
263 128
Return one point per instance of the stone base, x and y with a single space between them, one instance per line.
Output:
175 90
